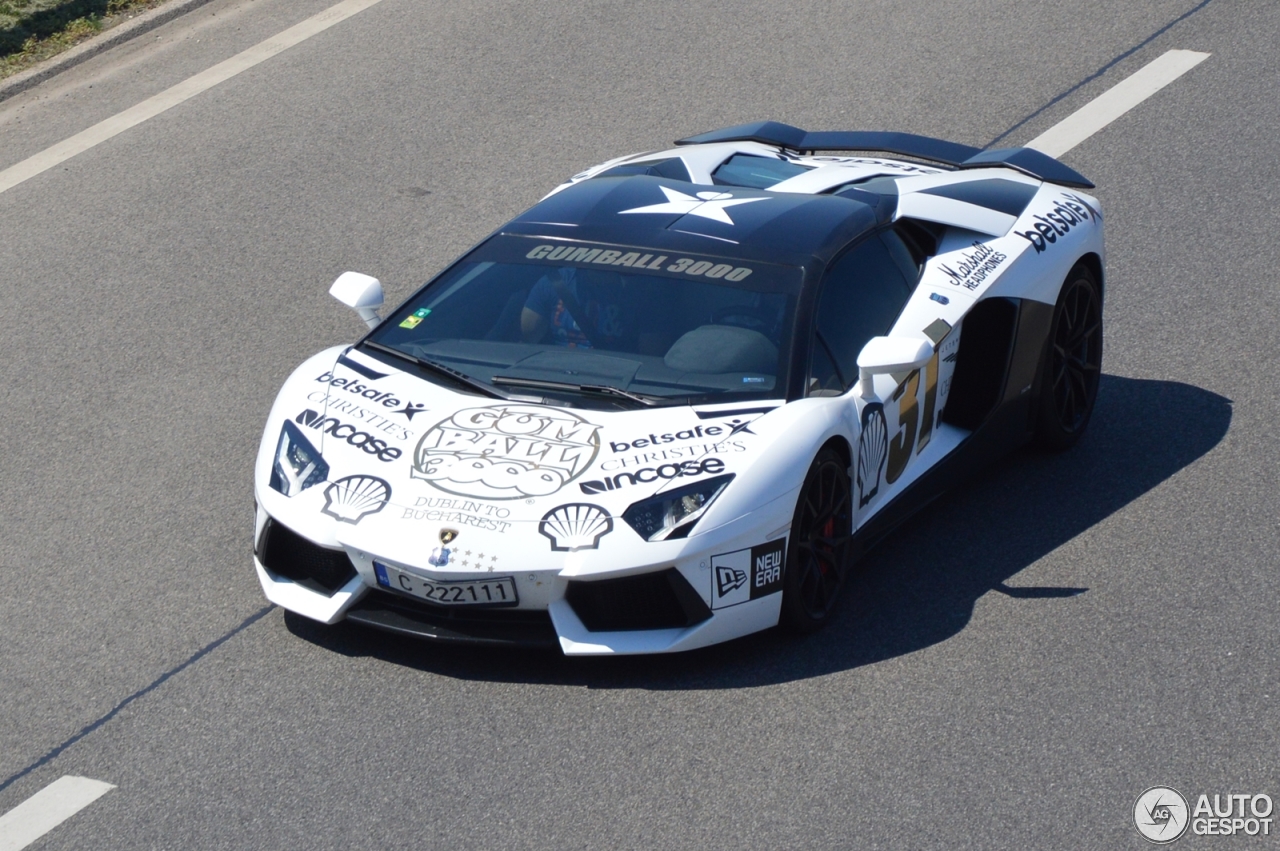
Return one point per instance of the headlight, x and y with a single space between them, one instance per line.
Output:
674 513
298 464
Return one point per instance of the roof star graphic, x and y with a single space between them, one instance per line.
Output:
409 409
708 205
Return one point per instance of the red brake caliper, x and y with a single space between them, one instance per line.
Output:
828 529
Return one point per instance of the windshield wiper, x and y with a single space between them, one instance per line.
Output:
597 389
439 369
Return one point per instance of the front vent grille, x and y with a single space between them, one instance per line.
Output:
661 600
462 625
286 553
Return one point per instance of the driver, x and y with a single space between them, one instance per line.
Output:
575 307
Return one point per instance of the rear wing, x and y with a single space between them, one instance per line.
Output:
1026 160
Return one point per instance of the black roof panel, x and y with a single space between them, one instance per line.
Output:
641 210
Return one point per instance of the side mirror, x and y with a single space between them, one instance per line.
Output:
361 293
890 354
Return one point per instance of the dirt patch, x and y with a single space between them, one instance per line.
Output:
34 30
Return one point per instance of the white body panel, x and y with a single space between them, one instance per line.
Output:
416 438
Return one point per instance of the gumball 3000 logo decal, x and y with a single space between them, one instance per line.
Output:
506 451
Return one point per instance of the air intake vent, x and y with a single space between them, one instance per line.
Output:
286 553
463 625
647 601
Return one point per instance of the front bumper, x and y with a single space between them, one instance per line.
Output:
582 614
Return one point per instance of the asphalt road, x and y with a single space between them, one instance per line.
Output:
1028 656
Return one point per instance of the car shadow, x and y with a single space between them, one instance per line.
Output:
919 587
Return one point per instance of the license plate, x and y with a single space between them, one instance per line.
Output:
490 591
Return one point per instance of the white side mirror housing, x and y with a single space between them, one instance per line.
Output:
883 355
361 293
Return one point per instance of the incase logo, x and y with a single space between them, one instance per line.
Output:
652 474
747 574
1059 221
343 431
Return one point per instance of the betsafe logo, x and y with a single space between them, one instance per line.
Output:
1069 212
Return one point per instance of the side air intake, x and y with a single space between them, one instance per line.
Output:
662 600
286 553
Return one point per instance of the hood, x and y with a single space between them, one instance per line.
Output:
405 461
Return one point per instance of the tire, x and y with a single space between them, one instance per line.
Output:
818 552
1072 363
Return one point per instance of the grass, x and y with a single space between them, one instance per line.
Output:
34 30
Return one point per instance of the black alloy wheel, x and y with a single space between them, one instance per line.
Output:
818 551
1073 366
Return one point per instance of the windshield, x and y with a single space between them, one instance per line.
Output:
532 313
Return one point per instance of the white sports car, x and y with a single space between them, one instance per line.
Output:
673 402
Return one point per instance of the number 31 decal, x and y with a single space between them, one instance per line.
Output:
909 419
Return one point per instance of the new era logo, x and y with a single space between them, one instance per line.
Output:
747 574
729 579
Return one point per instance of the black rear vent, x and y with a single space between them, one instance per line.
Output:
286 553
647 601
982 362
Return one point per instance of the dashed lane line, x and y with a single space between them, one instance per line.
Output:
47 809
1116 101
174 95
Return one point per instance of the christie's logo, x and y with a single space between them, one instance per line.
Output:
974 268
677 453
653 474
337 405
343 431
1059 221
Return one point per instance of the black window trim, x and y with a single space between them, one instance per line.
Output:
817 300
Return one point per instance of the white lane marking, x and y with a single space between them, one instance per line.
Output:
170 97
1116 101
47 809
